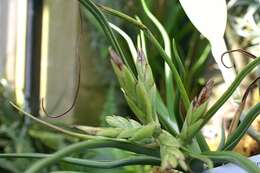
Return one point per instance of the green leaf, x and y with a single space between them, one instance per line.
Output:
155 42
138 160
235 158
167 49
127 39
118 121
235 137
164 116
141 43
8 165
199 112
137 111
178 60
59 155
94 10
54 127
203 159
198 66
143 132
228 93
67 172
52 140
223 137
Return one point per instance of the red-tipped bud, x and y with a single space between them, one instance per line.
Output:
116 58
205 93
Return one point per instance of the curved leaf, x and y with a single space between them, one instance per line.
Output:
127 39
235 158
235 137
54 158
138 160
94 10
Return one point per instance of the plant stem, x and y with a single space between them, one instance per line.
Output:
54 158
59 129
138 160
234 158
175 73
235 137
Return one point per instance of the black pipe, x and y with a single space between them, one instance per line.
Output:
33 56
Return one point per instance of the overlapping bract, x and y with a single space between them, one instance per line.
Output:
140 94
195 114
140 91
123 128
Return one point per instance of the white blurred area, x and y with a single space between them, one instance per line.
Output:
58 43
8 39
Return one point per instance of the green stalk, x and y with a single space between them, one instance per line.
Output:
138 160
123 16
59 129
164 116
178 59
167 49
175 73
67 172
200 62
197 67
240 131
235 158
54 158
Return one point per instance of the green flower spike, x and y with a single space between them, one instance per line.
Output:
195 115
140 92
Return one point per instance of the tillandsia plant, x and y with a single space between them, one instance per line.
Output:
159 135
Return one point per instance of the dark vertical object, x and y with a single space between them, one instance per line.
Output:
33 56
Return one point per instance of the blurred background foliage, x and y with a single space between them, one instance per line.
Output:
100 94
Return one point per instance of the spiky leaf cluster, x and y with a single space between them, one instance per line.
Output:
123 128
140 91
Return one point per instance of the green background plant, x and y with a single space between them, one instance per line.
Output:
147 104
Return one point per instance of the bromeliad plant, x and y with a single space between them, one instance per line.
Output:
160 135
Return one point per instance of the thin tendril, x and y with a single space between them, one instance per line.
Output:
78 83
236 50
250 87
235 121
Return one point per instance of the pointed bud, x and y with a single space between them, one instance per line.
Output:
205 93
141 57
116 58
144 70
